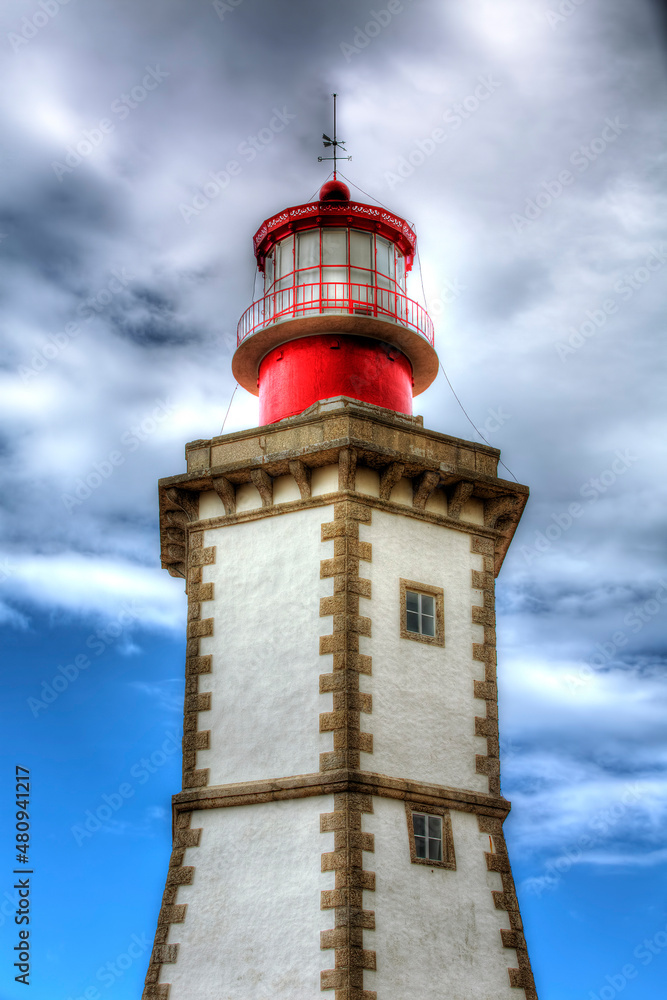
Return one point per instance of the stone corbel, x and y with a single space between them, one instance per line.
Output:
175 519
188 502
173 553
264 483
498 508
423 487
226 492
389 477
457 498
302 474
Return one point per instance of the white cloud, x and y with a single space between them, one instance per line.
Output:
86 586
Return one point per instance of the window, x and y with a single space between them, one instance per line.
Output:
430 836
420 613
422 610
338 255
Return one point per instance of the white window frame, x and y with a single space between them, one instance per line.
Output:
448 859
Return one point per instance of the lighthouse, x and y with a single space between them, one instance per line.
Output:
339 831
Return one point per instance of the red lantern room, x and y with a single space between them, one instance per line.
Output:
334 319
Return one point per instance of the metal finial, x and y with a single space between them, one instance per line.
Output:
335 142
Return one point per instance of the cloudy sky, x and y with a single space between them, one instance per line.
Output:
142 145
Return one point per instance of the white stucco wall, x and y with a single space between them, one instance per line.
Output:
264 719
253 922
324 480
210 504
437 931
423 706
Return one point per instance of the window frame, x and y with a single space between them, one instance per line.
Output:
425 589
448 855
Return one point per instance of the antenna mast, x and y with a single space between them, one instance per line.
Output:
334 142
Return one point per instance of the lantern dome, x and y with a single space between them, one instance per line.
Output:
334 318
334 190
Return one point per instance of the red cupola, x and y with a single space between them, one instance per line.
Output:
334 319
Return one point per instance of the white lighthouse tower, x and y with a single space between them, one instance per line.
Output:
340 827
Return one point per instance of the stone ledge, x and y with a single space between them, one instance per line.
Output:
333 782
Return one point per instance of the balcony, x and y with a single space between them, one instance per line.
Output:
335 298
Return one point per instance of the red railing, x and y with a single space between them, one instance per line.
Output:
335 298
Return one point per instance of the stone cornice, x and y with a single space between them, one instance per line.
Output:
335 782
328 434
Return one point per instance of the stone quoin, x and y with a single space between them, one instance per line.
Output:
340 825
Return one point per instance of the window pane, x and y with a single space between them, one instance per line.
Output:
413 621
284 258
400 270
435 827
309 248
428 625
428 605
384 257
435 850
420 847
419 824
360 249
411 600
334 246
268 271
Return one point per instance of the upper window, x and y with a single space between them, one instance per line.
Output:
422 613
430 836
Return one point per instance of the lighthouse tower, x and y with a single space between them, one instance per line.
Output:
340 826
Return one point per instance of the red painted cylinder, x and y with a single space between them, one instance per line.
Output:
297 374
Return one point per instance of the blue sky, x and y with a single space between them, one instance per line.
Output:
525 141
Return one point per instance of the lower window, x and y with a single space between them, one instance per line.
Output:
430 836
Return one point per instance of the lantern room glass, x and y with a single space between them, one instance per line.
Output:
335 257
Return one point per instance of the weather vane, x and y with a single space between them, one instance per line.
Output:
336 143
